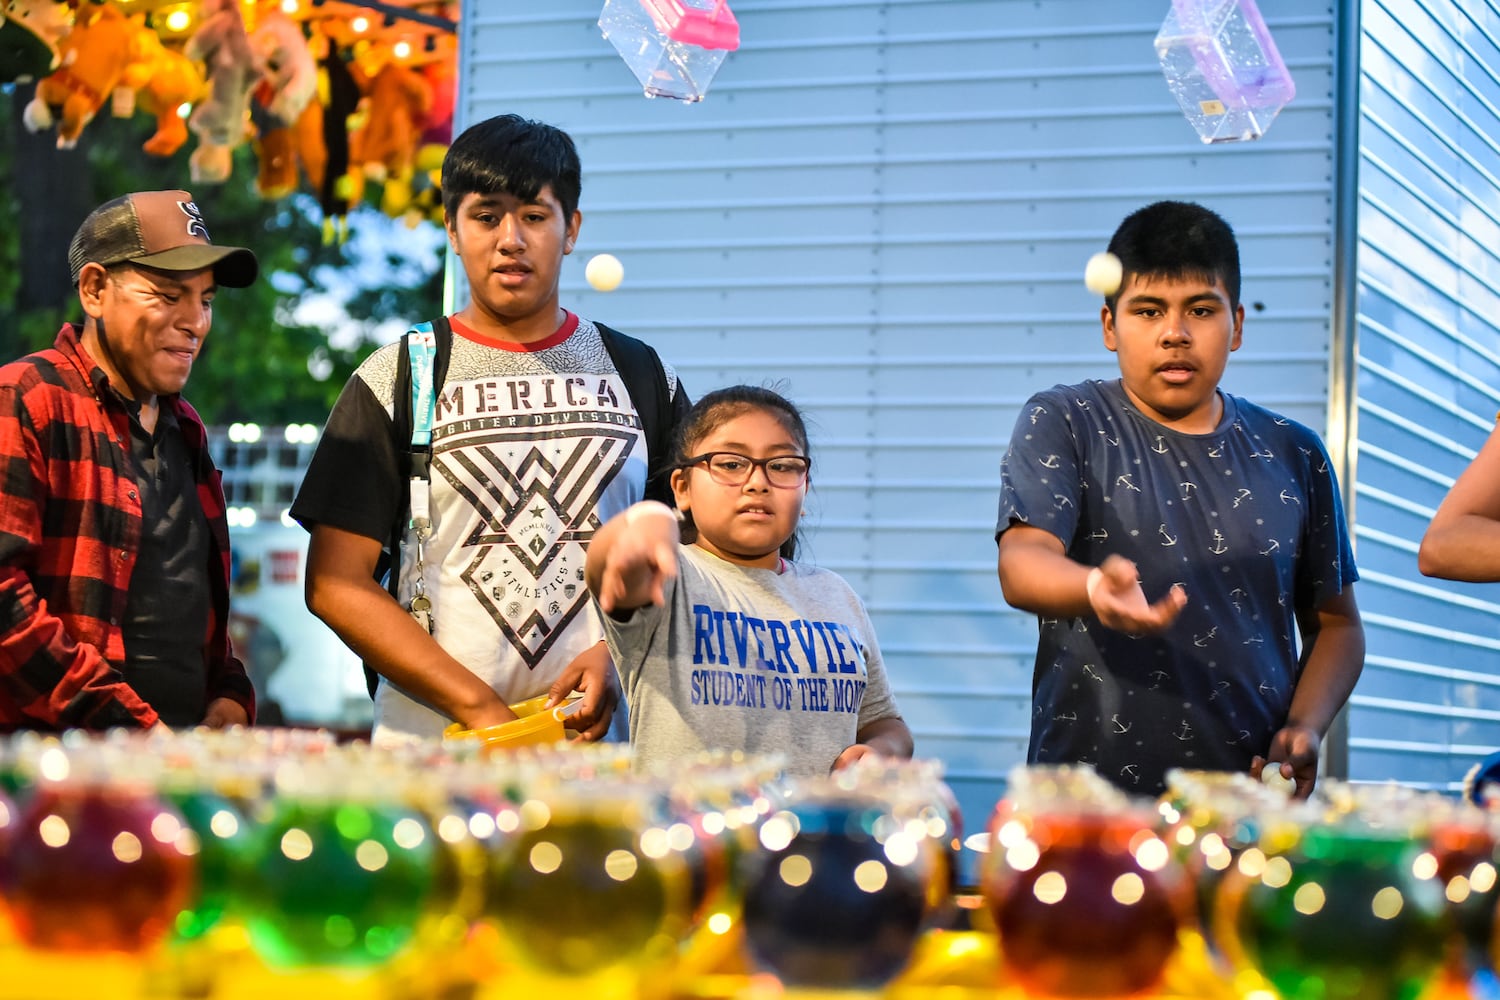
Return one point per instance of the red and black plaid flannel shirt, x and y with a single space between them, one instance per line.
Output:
70 528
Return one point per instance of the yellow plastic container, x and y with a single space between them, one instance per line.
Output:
535 725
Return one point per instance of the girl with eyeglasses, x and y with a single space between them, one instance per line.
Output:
722 641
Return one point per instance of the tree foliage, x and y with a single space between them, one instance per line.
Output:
263 360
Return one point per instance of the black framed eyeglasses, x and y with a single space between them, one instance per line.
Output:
728 468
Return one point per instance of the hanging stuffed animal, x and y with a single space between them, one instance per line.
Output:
30 35
284 112
221 121
384 150
94 56
288 72
426 204
340 96
163 80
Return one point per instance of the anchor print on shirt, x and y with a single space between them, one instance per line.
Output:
1161 445
1188 490
1203 640
1290 498
1113 442
1218 548
1126 482
1167 540
1185 733
1120 727
1051 462
1037 411
1241 497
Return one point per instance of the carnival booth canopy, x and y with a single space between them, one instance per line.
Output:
329 93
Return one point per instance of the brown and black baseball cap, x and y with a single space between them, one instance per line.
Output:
161 229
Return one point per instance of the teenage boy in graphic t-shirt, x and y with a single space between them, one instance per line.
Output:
536 442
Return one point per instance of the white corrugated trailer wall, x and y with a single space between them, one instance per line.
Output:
888 206
1428 378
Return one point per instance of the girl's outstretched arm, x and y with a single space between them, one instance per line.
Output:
632 556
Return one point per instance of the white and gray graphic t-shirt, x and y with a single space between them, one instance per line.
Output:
750 659
533 448
1247 518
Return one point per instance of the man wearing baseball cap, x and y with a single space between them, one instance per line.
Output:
114 547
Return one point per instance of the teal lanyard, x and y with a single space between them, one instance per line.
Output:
421 349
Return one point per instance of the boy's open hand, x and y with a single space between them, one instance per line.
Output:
1115 594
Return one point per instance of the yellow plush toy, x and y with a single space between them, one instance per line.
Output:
163 80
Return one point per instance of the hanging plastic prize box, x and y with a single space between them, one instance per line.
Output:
1221 63
674 47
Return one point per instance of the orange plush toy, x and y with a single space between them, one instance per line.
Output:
163 80
398 99
94 56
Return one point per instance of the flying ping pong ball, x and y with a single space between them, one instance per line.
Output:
1103 274
604 272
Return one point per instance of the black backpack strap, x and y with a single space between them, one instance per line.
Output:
646 380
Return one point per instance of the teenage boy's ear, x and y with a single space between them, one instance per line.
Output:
571 237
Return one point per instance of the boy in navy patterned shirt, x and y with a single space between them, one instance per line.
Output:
1176 541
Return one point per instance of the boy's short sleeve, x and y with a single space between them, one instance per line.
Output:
1039 475
353 481
1327 563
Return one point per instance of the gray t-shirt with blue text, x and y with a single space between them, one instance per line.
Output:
750 659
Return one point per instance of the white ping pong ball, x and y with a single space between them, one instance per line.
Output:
605 272
1270 776
1103 274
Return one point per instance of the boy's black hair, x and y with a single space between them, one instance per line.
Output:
1174 240
512 155
721 406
